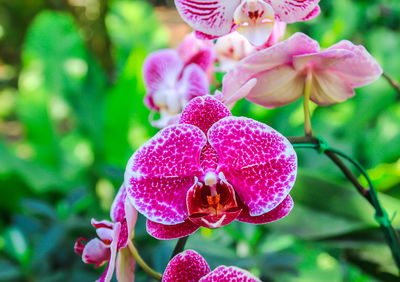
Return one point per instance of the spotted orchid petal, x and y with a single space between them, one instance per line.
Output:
359 70
203 112
280 211
166 232
187 266
255 159
254 20
291 11
125 266
160 173
109 271
161 70
210 17
117 211
227 274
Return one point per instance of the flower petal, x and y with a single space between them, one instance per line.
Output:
203 58
109 271
159 173
227 274
291 11
277 87
258 161
161 71
96 252
254 20
242 92
166 232
213 17
125 266
322 60
329 88
203 112
187 266
280 211
103 223
359 70
191 46
194 82
117 211
278 55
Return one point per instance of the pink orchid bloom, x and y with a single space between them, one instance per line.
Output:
189 266
233 47
254 19
281 71
174 77
209 170
113 238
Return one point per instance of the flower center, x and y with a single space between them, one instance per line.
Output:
212 204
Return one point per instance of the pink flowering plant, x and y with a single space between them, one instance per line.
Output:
206 168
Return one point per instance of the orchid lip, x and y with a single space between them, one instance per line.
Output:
212 204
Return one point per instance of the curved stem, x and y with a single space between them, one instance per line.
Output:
151 272
306 104
395 84
369 194
180 245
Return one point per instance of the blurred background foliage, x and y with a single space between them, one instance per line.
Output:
71 114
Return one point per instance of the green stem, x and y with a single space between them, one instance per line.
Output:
306 104
180 245
151 272
390 234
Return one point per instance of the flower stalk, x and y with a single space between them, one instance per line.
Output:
306 104
151 272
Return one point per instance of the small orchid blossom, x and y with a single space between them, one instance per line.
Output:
255 19
113 239
281 71
233 47
209 170
174 77
189 266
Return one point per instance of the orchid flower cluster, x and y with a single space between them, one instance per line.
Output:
205 167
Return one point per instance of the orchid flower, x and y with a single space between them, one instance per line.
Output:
281 72
255 19
233 47
189 266
112 241
209 170
174 77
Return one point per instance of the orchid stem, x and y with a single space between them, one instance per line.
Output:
180 245
151 272
390 234
306 104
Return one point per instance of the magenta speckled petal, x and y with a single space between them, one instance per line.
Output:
109 271
194 82
258 161
166 232
280 211
159 173
203 112
291 11
359 70
228 274
313 14
210 17
187 266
